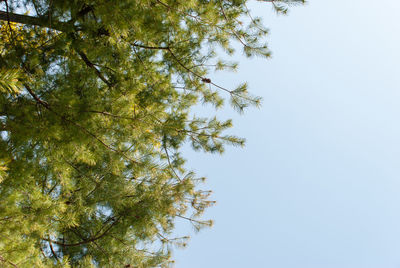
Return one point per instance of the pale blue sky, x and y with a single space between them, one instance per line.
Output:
318 184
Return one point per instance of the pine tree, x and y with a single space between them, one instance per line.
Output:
95 100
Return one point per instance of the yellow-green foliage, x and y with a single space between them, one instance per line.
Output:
95 106
9 81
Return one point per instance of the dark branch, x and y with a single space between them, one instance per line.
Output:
4 260
85 10
53 252
35 21
91 65
37 99
47 106
148 47
86 241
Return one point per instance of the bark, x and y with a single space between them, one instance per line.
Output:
34 21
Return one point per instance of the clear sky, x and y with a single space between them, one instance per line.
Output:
318 184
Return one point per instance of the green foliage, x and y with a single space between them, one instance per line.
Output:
282 6
9 82
95 100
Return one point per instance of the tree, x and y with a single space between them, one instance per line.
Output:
95 103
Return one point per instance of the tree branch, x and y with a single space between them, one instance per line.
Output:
4 260
37 99
36 21
148 47
53 252
91 65
46 105
86 241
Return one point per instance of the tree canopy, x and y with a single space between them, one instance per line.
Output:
95 106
